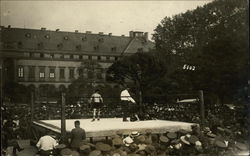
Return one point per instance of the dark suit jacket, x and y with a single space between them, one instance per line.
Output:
77 135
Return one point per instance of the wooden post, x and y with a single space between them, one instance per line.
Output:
202 109
63 123
32 106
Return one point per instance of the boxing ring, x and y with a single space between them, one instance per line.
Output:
107 127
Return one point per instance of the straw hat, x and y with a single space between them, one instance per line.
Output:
185 139
134 134
127 141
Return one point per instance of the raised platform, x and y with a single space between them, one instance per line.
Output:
109 126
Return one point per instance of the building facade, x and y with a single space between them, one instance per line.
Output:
38 57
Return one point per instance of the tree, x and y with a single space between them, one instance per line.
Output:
214 38
140 69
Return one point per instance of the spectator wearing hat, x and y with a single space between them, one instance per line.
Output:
66 152
76 136
46 144
97 103
9 137
126 102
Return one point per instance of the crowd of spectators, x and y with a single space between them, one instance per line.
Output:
226 130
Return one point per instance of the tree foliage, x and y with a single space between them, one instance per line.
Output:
214 38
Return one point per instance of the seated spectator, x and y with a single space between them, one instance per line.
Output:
77 135
46 144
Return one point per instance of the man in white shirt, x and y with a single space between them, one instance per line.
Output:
97 102
46 144
126 100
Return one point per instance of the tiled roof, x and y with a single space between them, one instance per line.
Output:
71 41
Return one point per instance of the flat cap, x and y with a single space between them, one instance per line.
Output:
171 135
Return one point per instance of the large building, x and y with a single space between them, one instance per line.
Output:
38 57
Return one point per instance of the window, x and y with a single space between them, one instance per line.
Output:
51 56
40 45
78 47
107 58
80 57
62 73
42 73
59 46
100 40
98 57
113 49
71 73
31 54
84 38
90 74
52 73
96 48
80 71
41 55
20 72
90 57
62 56
71 56
31 72
65 37
47 36
28 35
116 58
20 44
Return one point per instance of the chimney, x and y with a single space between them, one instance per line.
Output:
146 36
76 31
110 34
123 35
88 32
43 28
9 26
57 30
100 33
131 34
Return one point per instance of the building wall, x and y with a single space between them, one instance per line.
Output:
39 55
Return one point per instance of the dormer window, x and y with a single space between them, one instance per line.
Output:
113 49
96 48
40 45
65 37
78 47
59 46
101 40
28 35
84 38
20 44
47 36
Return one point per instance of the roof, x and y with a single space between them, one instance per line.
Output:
34 39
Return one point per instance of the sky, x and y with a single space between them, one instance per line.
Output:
116 17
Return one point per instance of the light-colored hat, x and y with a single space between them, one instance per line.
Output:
185 139
134 134
178 146
127 141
